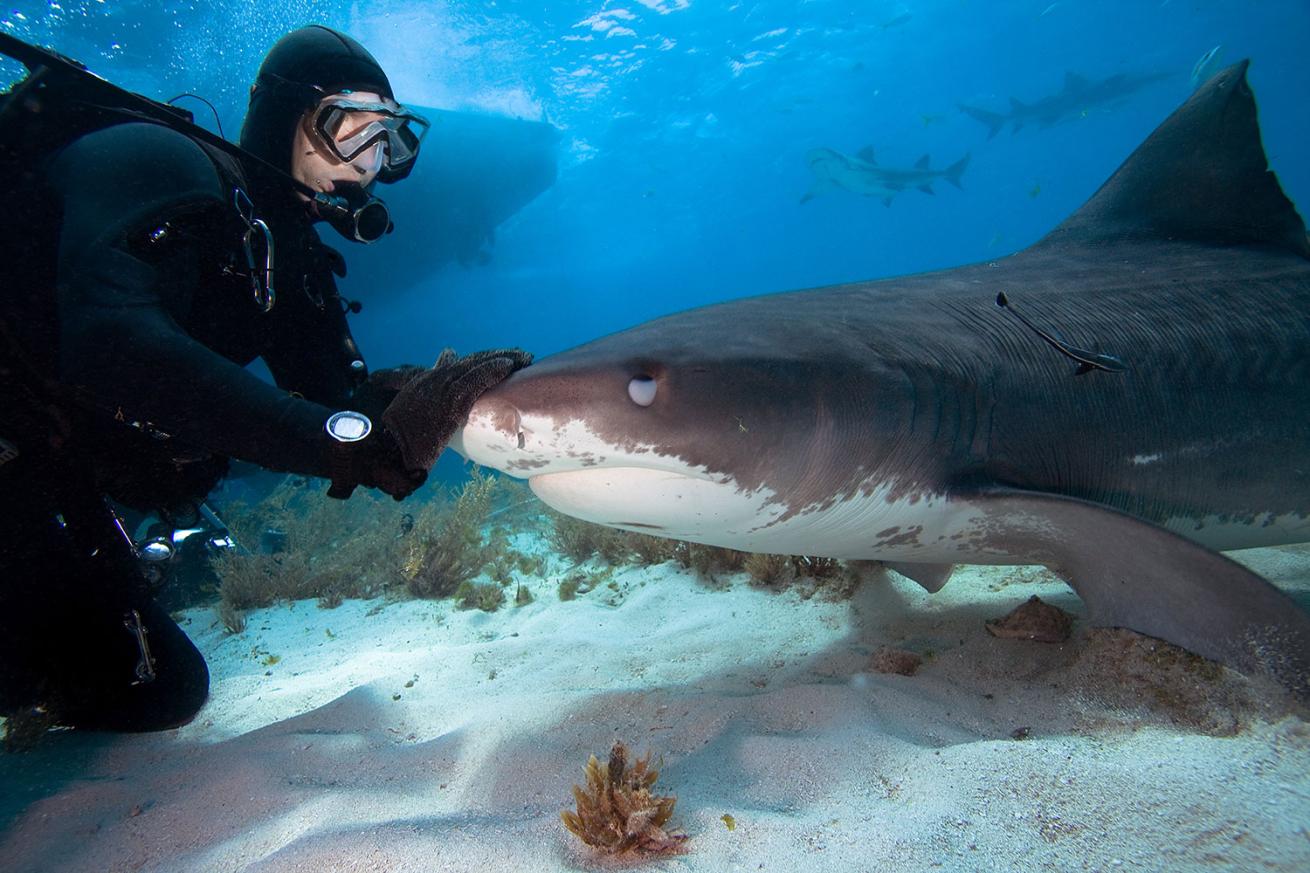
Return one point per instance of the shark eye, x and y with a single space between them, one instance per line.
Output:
642 390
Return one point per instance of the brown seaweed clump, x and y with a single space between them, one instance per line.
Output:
580 540
709 563
1034 619
446 547
889 659
617 812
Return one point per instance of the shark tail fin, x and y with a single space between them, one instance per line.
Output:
1201 176
994 120
956 170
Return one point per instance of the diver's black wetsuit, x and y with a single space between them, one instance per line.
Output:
121 370
126 378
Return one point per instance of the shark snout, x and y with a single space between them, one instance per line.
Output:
493 432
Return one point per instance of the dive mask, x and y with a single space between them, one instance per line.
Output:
349 128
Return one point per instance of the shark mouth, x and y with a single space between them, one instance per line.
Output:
651 500
634 488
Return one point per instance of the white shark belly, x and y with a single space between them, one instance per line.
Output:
922 528
1223 534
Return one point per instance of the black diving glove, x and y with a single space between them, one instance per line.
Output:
374 462
434 404
423 409
381 387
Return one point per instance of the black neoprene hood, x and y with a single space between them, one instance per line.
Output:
313 57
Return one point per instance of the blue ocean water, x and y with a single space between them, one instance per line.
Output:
684 127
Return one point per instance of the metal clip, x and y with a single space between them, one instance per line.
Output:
265 295
8 451
145 668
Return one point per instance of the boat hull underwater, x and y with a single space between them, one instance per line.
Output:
1117 402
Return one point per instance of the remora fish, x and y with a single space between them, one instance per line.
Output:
1206 66
1077 98
916 421
862 174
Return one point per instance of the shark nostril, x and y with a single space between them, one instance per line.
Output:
522 441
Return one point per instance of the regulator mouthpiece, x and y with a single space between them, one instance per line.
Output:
354 213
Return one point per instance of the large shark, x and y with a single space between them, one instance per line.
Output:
1077 98
863 175
1117 402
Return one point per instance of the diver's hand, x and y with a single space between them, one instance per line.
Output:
374 462
381 387
433 405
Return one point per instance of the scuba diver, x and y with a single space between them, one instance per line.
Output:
150 263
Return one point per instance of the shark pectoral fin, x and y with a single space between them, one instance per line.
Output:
931 576
1134 574
927 188
820 186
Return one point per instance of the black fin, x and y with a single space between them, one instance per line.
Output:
1201 176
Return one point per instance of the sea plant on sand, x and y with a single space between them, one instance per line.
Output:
617 812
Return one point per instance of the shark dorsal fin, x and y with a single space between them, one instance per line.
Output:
1201 176
922 164
866 154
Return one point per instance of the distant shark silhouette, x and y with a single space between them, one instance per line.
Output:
916 421
863 175
1077 98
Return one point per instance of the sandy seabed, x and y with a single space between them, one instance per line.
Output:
412 736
